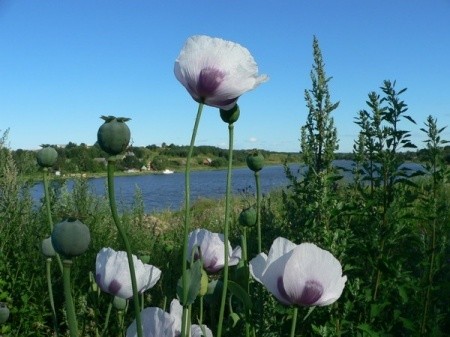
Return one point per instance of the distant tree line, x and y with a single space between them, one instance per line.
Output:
83 158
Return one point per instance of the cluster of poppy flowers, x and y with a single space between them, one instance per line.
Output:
216 72
302 275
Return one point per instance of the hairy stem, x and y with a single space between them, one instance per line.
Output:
70 307
294 321
50 294
187 221
108 314
226 230
123 235
258 210
49 211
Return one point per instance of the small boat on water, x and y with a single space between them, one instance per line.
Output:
167 171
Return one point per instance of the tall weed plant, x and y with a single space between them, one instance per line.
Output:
389 232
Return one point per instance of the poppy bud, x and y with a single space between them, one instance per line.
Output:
47 247
203 283
230 116
120 303
247 217
4 313
47 156
94 287
71 238
255 161
114 135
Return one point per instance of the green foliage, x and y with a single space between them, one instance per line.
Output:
159 163
84 159
319 135
219 162
391 232
310 203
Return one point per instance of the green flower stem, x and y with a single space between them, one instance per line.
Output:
187 221
423 327
189 320
121 319
108 314
294 321
115 215
50 294
244 245
47 200
70 307
49 210
200 319
247 288
259 239
258 209
226 230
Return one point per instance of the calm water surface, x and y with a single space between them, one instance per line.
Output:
166 191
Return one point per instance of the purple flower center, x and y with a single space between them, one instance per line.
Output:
211 265
114 287
208 82
311 293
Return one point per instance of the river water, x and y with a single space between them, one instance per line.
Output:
166 191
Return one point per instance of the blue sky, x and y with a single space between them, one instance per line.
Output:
63 64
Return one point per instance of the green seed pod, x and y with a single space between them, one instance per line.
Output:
47 247
71 238
4 313
47 156
94 286
230 116
113 136
203 283
255 161
247 217
120 303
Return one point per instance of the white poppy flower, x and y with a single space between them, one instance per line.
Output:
212 253
155 323
113 273
196 331
303 275
216 72
158 323
176 312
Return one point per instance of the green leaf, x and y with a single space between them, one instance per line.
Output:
410 119
240 293
214 292
310 310
408 324
376 309
241 274
235 318
194 277
366 328
403 294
